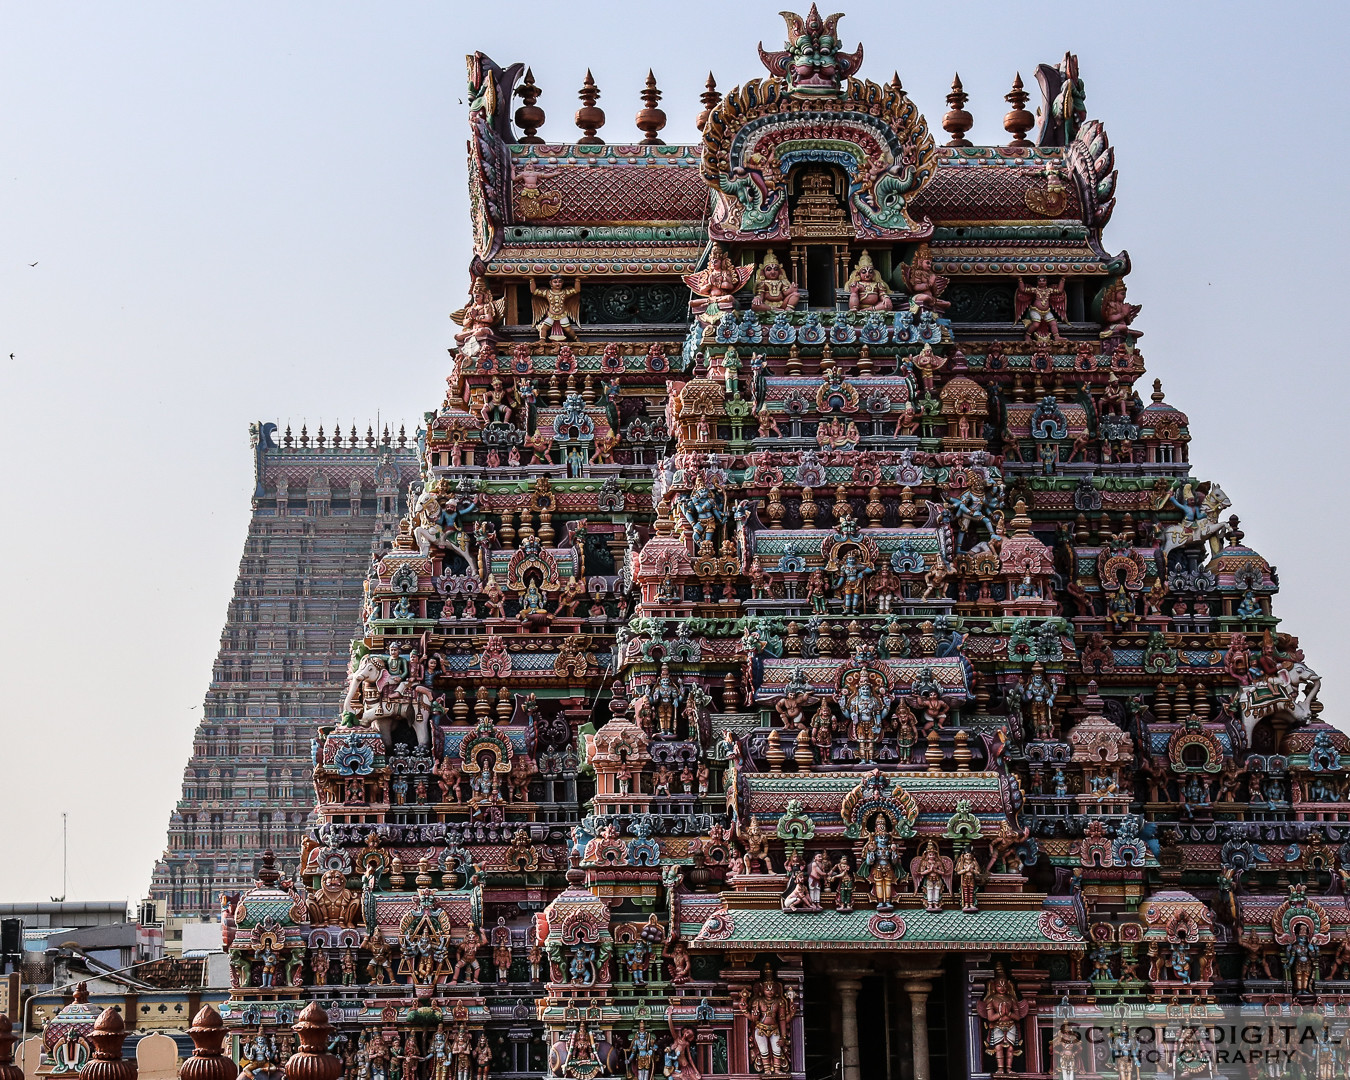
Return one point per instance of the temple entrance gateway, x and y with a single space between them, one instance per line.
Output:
914 696
860 1020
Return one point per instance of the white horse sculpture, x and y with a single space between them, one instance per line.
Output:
1290 690
436 518
374 702
1204 528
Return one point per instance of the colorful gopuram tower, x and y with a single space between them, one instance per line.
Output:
323 504
806 650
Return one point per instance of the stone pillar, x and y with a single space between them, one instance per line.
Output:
918 989
848 1004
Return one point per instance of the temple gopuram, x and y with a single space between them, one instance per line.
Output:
806 651
321 505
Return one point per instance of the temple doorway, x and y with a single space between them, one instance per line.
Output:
884 1003
820 276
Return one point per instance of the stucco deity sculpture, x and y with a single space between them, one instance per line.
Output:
333 904
866 292
770 1011
666 695
850 583
881 863
932 874
925 286
1002 1011
556 309
1041 307
773 291
479 318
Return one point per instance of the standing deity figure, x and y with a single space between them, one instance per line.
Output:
1002 1012
925 286
379 968
703 511
461 1051
1124 1054
932 874
440 1055
411 1059
850 582
637 959
773 291
881 863
581 968
641 1057
815 592
967 871
1041 307
1064 1048
1301 962
865 710
271 963
841 877
906 732
377 1053
501 960
770 1011
817 873
1038 697
865 291
1324 1055
482 1057
556 309
667 694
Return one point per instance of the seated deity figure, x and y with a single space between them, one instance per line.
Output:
865 291
773 292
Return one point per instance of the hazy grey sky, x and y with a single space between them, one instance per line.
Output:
246 211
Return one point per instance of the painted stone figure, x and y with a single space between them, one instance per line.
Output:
1002 1011
770 1011
556 309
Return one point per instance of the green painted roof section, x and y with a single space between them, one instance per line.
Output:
771 929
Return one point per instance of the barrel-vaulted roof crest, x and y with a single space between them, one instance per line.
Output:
813 111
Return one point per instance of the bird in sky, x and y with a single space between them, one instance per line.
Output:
32 264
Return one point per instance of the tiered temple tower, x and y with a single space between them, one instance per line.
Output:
804 623
322 505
